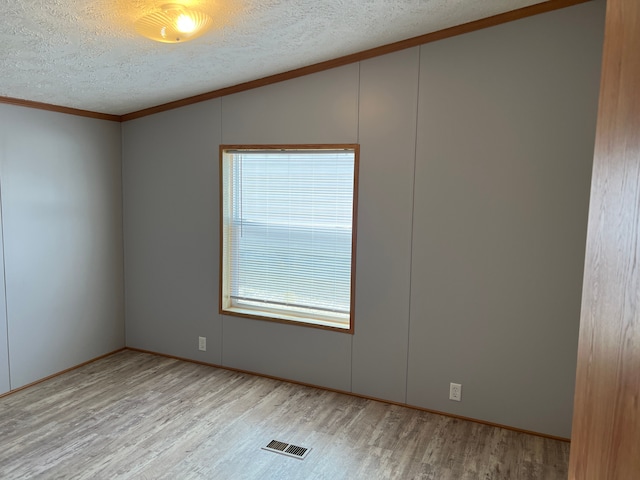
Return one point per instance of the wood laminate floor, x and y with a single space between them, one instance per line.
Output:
139 416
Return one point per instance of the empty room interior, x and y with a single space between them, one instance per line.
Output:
474 147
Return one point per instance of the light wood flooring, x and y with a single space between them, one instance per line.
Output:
138 416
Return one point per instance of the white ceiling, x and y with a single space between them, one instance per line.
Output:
86 54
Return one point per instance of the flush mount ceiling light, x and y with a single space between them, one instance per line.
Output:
174 23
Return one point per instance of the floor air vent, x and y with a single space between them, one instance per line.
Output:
287 449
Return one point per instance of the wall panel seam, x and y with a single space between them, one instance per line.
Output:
4 279
413 203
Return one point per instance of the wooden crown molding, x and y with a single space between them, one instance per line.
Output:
60 109
532 10
483 23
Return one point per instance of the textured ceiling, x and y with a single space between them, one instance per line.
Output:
86 54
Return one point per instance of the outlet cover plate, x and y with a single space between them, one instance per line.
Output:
455 392
202 344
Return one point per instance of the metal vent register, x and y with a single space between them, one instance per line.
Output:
287 449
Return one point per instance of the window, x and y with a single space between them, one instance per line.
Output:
288 233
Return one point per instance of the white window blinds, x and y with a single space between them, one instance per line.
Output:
287 234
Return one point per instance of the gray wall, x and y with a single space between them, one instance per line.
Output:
171 231
60 180
505 146
474 179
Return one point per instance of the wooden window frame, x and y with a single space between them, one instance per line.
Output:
223 149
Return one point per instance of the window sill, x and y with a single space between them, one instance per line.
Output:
287 319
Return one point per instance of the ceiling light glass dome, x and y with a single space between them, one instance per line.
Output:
174 23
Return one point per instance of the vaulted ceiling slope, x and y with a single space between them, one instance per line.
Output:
85 54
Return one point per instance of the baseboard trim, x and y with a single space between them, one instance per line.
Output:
15 390
366 397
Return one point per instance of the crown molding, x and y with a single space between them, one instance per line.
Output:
60 109
483 23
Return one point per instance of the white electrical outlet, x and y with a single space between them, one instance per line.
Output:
202 344
455 392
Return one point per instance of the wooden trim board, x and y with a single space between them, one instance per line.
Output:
355 147
492 21
606 414
390 402
15 390
60 109
272 377
511 16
